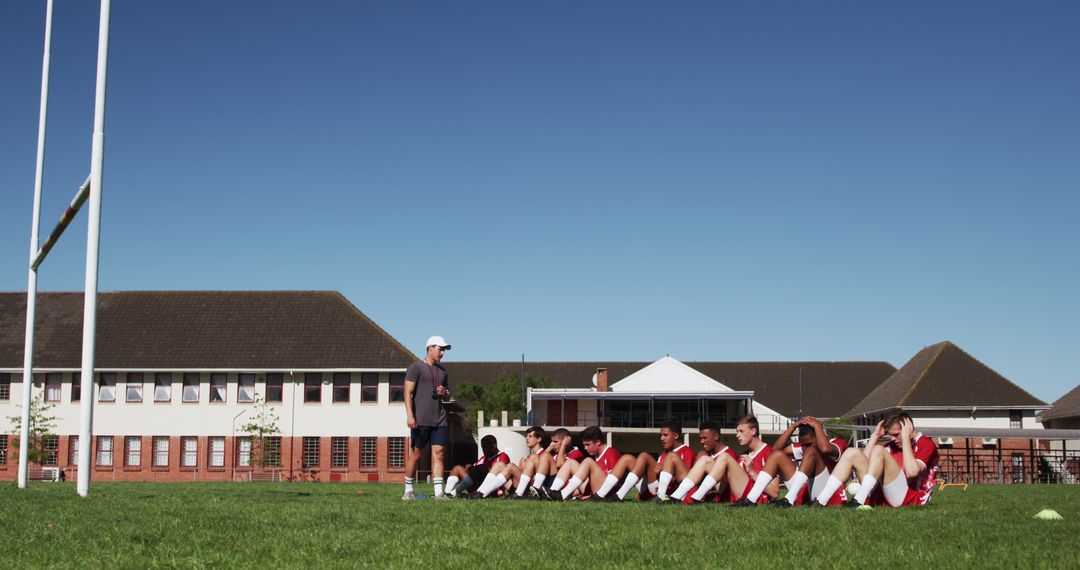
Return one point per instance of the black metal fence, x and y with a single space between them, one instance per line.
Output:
1010 466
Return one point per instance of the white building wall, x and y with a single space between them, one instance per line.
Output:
179 418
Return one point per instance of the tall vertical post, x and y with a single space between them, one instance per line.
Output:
93 234
31 281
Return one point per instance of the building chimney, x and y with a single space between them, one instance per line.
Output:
601 380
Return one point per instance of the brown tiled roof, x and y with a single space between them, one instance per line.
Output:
202 329
1067 406
829 388
943 375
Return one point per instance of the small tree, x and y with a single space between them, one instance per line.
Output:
261 428
503 394
42 431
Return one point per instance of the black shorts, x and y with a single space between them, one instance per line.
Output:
422 436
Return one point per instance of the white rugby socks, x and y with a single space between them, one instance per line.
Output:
867 486
831 486
631 480
762 481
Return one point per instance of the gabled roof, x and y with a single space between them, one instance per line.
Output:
1067 406
176 330
943 375
828 388
668 375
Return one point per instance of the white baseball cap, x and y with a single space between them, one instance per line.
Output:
438 341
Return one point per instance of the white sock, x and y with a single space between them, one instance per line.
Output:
557 484
609 483
762 481
794 485
538 480
683 489
498 481
831 486
665 482
867 486
523 483
408 484
438 486
653 487
570 487
706 485
451 485
631 480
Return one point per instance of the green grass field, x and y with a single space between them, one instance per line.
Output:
277 525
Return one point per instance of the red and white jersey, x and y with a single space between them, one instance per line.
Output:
500 457
758 458
607 459
830 462
921 486
727 450
684 452
575 454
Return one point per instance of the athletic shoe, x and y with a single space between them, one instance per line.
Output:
851 504
514 497
782 504
477 495
596 499
443 497
554 495
744 503
533 494
408 496
663 501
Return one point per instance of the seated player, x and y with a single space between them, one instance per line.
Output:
521 474
713 446
657 474
906 465
739 474
598 470
816 453
466 478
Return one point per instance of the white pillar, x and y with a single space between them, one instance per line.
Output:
31 281
93 234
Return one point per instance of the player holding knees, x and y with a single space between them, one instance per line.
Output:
674 464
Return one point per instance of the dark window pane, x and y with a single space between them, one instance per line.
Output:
341 386
369 387
397 386
312 387
274 381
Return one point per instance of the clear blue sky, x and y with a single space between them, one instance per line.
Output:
581 180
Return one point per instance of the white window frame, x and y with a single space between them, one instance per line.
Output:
104 456
163 387
107 387
190 392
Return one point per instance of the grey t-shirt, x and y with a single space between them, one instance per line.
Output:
428 411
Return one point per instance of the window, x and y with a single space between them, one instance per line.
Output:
272 453
107 387
105 450
397 386
1018 468
3 449
73 451
245 388
76 386
341 386
312 387
217 452
311 452
243 452
189 452
368 452
162 387
1016 419
50 444
5 386
396 451
134 387
218 386
52 386
369 387
191 387
274 381
161 451
132 451
339 452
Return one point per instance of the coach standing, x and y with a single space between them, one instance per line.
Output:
425 389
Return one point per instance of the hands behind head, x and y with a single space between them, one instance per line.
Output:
879 431
907 429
